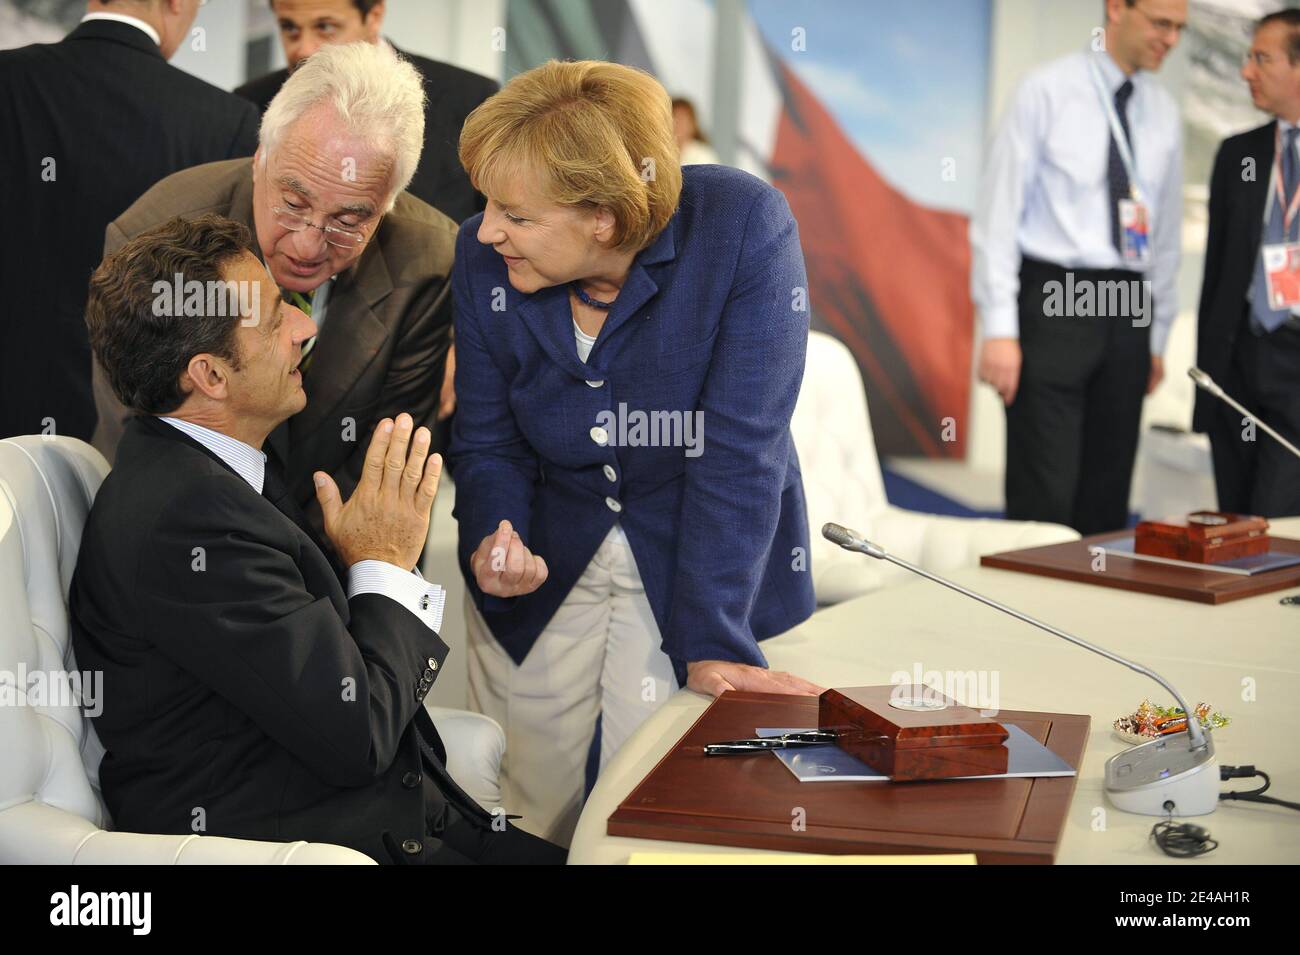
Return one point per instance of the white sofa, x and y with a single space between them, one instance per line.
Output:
842 483
51 810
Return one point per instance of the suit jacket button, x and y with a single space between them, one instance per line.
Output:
427 678
433 664
412 847
411 780
419 693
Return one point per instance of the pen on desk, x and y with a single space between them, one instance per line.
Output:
740 747
762 744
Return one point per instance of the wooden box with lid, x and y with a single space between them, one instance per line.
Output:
1203 537
913 732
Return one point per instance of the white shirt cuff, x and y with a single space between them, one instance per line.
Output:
1000 322
412 591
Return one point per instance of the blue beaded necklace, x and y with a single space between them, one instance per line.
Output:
586 299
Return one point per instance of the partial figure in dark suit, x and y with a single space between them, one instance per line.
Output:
250 691
1245 343
371 263
89 123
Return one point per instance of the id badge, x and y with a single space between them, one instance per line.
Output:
1282 272
1134 236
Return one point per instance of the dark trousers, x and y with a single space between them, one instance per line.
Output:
1253 473
466 840
1072 431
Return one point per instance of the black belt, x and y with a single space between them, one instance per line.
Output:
1080 272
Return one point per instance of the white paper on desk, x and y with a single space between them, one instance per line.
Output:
818 764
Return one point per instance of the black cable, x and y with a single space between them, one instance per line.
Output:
1182 840
1251 795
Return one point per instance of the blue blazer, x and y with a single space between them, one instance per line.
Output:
712 319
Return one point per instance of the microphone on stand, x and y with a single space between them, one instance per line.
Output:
1145 779
1209 385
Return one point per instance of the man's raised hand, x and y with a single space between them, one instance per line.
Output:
387 516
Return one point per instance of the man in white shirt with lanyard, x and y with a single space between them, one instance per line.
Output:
1248 334
1075 254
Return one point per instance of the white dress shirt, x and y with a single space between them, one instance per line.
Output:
320 300
1046 193
412 591
124 18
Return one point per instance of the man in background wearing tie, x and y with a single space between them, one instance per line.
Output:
1248 339
1076 243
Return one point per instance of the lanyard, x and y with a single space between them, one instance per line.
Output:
1117 131
1278 187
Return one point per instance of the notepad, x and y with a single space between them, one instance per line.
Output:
1026 757
1243 566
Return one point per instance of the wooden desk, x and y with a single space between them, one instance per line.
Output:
1218 654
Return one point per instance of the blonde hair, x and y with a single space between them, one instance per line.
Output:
378 96
596 133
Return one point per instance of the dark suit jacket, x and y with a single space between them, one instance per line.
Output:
703 324
239 680
383 344
450 95
88 124
1231 250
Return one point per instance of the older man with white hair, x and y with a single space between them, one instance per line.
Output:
324 198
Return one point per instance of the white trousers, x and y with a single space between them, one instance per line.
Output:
600 657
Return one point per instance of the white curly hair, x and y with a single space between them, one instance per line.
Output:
378 96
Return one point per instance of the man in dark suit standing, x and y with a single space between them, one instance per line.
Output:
450 92
1248 339
249 691
324 197
89 124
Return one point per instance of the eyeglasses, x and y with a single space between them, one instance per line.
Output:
296 222
1163 24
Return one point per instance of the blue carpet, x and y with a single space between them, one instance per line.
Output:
905 493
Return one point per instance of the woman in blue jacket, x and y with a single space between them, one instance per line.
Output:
630 342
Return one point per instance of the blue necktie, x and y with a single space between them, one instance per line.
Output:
1265 317
1116 174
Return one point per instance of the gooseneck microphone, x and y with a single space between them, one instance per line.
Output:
1210 386
1142 779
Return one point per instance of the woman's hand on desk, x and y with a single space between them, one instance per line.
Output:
716 677
504 567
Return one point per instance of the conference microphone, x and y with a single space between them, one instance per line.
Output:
1208 384
1145 779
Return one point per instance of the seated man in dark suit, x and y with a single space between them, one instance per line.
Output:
371 263
248 690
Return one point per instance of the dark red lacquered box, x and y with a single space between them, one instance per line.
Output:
916 740
1204 537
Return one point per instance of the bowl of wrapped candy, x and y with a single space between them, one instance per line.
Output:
1150 721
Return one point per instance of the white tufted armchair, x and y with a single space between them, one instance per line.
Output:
842 483
50 805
